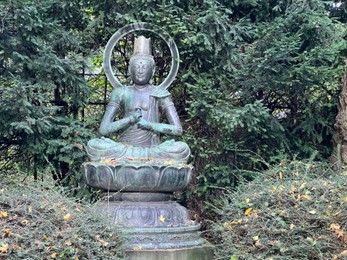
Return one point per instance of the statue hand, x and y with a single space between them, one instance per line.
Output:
135 117
144 124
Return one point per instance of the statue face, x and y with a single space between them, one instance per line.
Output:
141 71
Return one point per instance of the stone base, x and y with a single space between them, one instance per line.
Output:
162 238
190 253
133 214
152 224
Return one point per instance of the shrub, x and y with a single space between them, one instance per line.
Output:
37 221
293 211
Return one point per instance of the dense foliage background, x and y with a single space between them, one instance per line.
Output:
258 82
295 210
39 221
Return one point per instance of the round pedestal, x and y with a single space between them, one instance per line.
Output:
137 177
143 208
153 225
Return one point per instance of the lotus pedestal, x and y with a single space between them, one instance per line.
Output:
138 199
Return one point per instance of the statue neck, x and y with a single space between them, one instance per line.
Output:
140 87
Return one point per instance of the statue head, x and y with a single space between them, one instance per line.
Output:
141 65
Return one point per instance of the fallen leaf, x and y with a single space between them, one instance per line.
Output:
138 248
303 185
334 226
306 197
248 200
103 242
312 212
340 234
273 190
248 211
44 237
161 218
16 247
281 175
3 214
67 217
255 238
292 226
258 243
3 248
54 255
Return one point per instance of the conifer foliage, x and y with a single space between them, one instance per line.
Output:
258 80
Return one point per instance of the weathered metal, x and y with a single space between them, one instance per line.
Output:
138 173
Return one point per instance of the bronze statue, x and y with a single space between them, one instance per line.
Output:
137 194
140 124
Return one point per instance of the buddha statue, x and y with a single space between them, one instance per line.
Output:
140 127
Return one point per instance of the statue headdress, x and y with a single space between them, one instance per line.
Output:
142 49
142 46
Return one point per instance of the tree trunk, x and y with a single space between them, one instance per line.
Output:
339 155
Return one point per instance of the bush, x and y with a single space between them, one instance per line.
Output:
293 211
37 221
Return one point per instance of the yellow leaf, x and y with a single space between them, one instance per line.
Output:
103 242
303 185
25 222
292 226
292 188
345 198
306 197
255 238
54 255
76 258
3 214
16 247
3 248
44 237
281 175
161 218
258 243
340 233
248 211
237 222
344 252
138 248
248 200
67 217
334 226
273 190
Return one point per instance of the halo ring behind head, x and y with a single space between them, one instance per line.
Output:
140 27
